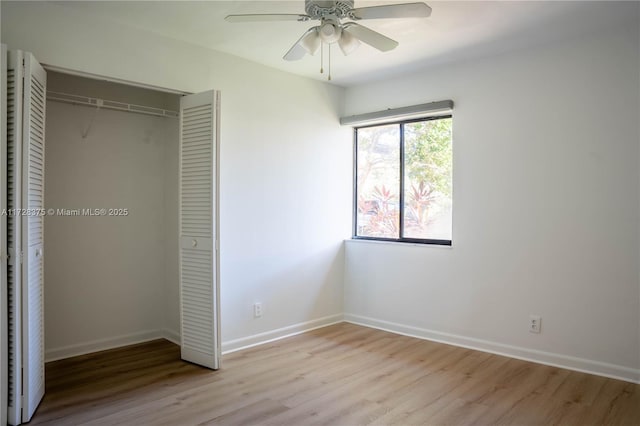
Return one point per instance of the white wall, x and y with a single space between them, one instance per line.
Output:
285 207
546 209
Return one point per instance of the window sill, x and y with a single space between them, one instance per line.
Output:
397 243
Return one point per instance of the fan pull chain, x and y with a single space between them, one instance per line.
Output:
321 57
329 54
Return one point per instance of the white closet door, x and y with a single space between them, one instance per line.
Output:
15 93
25 173
199 274
3 237
35 82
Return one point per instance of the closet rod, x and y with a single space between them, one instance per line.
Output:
103 103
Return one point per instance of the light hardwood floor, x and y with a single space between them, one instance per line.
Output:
338 375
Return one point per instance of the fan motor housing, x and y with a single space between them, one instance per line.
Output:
319 9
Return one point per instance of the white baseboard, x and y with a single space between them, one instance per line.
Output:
280 333
548 358
172 336
102 345
541 357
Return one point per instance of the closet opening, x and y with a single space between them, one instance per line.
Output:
111 229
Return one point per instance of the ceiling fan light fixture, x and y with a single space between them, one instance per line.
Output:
348 43
330 32
311 42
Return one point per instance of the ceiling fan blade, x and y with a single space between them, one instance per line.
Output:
305 44
372 38
266 17
405 10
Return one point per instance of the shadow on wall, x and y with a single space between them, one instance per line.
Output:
308 288
332 285
320 273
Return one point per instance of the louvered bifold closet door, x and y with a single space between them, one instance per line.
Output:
3 237
35 83
199 273
15 91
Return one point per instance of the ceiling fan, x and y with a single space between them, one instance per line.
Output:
331 30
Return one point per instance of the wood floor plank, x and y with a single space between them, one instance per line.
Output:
338 375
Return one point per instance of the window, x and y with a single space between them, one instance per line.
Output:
403 181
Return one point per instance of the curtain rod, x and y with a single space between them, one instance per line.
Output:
115 105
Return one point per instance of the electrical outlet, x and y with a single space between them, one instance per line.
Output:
535 323
257 310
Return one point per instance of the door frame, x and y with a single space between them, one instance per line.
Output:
84 74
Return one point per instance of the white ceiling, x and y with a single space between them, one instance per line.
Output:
456 30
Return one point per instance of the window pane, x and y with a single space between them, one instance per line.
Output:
427 179
378 175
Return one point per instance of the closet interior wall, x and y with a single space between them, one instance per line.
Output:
109 280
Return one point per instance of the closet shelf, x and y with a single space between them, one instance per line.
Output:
103 103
